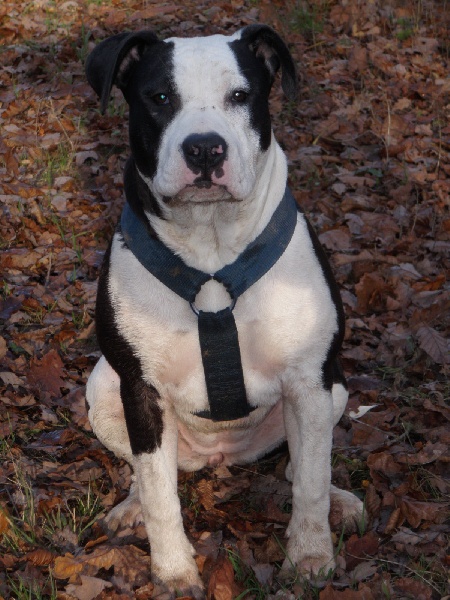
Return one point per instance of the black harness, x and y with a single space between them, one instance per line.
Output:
218 335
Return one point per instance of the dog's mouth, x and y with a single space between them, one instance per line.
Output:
201 192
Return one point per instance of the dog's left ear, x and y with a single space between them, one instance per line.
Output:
266 43
112 60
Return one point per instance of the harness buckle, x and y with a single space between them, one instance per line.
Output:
197 311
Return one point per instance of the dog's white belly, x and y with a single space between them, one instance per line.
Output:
244 442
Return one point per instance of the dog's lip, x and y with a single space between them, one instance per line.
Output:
201 192
203 183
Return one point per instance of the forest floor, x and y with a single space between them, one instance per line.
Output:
368 143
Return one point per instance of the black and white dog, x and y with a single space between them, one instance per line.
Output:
217 313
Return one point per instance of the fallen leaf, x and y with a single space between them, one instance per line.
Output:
152 11
363 593
45 375
359 548
407 536
263 573
361 411
373 501
89 589
336 239
434 344
208 544
364 570
11 379
414 588
358 59
428 454
371 293
128 561
415 512
40 557
67 566
395 520
206 493
222 585
5 523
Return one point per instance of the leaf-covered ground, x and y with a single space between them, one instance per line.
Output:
368 143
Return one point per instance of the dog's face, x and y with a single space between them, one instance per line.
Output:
203 110
199 116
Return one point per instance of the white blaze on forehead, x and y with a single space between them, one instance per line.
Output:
205 69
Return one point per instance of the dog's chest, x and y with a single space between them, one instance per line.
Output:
285 321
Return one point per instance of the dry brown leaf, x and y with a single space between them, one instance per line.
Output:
128 560
360 548
415 512
152 11
358 59
205 493
208 544
3 347
414 588
394 521
373 501
371 292
384 463
5 523
222 585
363 593
428 454
89 589
45 374
336 239
40 557
19 258
434 344
66 566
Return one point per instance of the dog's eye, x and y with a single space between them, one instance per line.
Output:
239 96
161 99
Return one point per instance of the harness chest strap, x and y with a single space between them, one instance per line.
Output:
218 335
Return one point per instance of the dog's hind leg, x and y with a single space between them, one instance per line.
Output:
340 397
346 511
105 412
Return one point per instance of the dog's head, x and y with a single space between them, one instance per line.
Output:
199 116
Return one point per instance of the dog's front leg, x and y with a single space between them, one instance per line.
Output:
308 415
153 438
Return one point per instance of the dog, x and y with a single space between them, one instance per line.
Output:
217 313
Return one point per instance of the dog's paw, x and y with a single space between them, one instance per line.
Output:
186 584
126 514
308 566
346 511
162 592
309 551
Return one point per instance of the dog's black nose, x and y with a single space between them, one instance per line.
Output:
204 152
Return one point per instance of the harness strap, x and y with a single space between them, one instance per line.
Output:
218 335
221 357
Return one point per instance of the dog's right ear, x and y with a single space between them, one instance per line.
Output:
112 60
